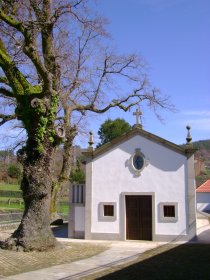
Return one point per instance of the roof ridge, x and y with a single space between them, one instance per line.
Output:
186 150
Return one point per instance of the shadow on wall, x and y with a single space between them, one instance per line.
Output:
156 154
203 207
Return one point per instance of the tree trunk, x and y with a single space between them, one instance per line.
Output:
64 176
54 203
34 232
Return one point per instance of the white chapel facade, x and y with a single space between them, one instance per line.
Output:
138 187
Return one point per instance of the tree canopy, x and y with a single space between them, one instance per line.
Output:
111 129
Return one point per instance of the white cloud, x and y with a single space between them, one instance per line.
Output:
197 119
197 113
200 124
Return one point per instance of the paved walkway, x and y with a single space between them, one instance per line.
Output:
118 253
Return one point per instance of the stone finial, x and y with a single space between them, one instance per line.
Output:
188 138
91 142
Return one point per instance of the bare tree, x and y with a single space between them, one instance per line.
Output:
55 66
95 79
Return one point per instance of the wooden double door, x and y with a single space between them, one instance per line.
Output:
138 217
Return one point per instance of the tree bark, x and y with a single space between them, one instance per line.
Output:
64 176
34 232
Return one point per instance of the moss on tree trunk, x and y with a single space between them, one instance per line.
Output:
34 231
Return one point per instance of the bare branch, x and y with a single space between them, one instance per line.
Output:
18 144
29 45
68 9
6 92
81 60
6 118
35 8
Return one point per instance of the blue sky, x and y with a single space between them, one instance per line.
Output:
174 37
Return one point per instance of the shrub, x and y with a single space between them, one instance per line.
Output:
77 174
14 171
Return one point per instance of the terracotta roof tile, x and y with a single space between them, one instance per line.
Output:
205 187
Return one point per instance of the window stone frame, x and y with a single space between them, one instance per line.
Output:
161 212
101 212
137 172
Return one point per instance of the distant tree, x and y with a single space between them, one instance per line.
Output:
111 129
5 155
14 171
77 174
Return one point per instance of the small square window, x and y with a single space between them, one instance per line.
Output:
169 210
108 210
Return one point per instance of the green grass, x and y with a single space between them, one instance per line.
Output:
6 198
63 208
14 205
8 187
5 206
11 208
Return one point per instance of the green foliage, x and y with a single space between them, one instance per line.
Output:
111 129
77 174
202 144
203 177
203 153
14 171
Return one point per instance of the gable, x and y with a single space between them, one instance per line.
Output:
187 150
119 156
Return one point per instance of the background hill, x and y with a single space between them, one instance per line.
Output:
8 160
203 156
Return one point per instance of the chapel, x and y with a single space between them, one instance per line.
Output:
138 187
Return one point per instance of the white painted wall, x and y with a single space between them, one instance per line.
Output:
79 218
165 175
203 201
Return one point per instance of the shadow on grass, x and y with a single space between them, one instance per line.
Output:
183 262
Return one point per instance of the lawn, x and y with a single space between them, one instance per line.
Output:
6 198
5 206
8 187
63 208
14 204
168 262
10 204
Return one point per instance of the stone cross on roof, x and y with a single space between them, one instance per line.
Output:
137 113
